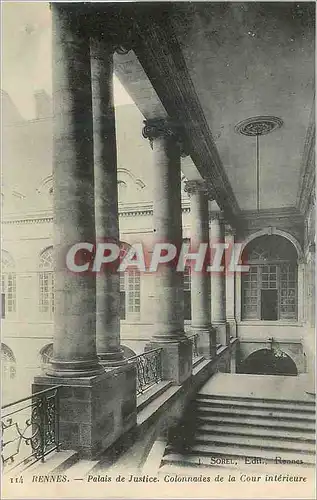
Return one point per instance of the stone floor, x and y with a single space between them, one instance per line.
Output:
257 386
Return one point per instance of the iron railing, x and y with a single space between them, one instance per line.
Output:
149 369
30 428
194 341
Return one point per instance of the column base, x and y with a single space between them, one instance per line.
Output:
206 340
176 358
70 369
109 359
232 326
222 334
94 411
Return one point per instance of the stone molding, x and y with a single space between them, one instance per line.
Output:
159 127
122 213
306 191
193 187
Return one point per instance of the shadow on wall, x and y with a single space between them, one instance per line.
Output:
268 362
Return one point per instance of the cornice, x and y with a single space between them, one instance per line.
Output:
124 211
274 213
307 175
171 80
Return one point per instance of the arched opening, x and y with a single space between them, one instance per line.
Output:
46 354
127 352
268 362
8 364
269 289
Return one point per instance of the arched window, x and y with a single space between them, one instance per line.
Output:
269 289
130 290
8 364
46 353
8 285
46 282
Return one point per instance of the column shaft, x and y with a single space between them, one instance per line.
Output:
74 221
200 282
167 220
169 333
106 200
230 284
218 283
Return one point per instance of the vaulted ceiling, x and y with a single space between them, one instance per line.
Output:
211 65
245 60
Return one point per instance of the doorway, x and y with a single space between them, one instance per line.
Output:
269 305
266 362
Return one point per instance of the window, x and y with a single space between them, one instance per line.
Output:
46 282
8 285
130 297
130 290
269 289
8 364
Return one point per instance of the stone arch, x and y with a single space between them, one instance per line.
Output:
268 231
46 186
127 352
124 173
45 355
265 361
8 363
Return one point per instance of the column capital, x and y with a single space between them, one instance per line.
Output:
198 186
217 216
156 128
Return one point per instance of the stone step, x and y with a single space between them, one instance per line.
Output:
226 397
256 412
254 421
264 433
56 463
240 454
152 393
254 442
215 403
81 469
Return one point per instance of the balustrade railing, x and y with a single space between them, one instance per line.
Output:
30 429
149 369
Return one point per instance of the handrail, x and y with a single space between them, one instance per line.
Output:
144 353
148 369
30 397
30 428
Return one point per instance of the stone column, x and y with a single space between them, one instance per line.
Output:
218 282
96 406
74 220
230 282
200 280
167 220
106 201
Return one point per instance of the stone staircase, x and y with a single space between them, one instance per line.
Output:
236 431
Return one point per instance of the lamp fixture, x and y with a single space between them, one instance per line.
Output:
254 127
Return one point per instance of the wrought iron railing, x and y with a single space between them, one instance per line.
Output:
30 428
194 341
149 369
